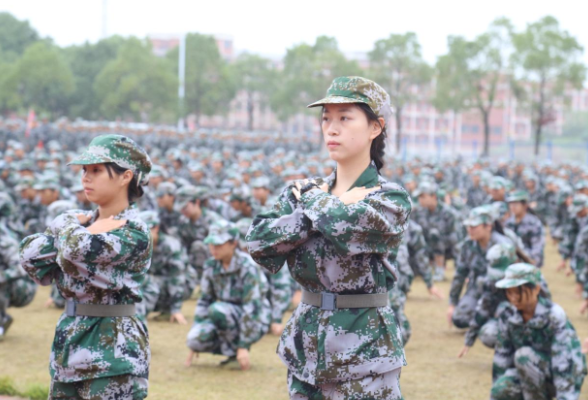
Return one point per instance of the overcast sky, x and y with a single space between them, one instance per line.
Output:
270 27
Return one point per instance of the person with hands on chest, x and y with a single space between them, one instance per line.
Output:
340 236
98 261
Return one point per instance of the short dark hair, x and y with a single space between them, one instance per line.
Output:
135 190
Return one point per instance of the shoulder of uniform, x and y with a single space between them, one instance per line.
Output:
557 314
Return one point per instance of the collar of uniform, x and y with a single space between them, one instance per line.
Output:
129 213
539 319
234 266
368 178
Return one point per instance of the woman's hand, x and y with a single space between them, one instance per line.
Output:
243 359
463 352
83 218
179 318
106 225
434 292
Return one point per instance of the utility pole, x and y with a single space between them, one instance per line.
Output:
104 19
182 76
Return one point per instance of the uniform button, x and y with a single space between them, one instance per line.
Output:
308 320
305 374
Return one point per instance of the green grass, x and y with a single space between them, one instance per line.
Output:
433 373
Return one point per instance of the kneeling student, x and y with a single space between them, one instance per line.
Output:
233 311
538 353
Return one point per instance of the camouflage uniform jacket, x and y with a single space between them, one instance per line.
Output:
106 268
476 196
10 268
473 265
170 221
549 333
418 252
570 233
530 230
242 284
344 249
579 260
168 268
191 231
438 226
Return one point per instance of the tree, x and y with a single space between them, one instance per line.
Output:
136 84
15 36
396 63
43 79
308 72
546 64
209 83
256 76
86 62
469 74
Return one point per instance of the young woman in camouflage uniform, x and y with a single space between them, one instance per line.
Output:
99 260
338 236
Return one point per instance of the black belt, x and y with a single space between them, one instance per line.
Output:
73 309
332 301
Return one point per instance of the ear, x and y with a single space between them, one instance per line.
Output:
127 176
377 128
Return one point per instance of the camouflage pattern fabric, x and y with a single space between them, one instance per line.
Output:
438 227
418 252
537 359
531 232
106 268
121 387
233 311
342 249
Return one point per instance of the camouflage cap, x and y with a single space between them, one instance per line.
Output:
78 187
261 182
517 195
480 215
519 274
7 206
59 207
579 202
425 187
582 184
47 183
158 171
151 218
25 182
166 188
355 89
497 183
221 232
499 257
189 193
120 150
499 209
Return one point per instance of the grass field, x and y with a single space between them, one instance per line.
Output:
433 372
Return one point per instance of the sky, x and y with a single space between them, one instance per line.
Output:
269 28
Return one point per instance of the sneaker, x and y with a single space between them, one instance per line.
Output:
228 361
6 322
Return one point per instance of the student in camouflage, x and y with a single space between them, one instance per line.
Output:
339 236
168 266
99 261
438 223
526 225
538 354
168 216
472 264
16 288
233 311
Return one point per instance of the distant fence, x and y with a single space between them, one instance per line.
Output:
439 149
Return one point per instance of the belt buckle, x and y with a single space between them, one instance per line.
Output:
328 301
70 308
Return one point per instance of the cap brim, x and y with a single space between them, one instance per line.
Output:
510 283
472 222
335 100
87 158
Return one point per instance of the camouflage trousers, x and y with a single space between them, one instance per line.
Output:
150 293
280 293
465 310
57 298
529 380
374 387
16 293
219 333
121 387
198 254
397 301
489 333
